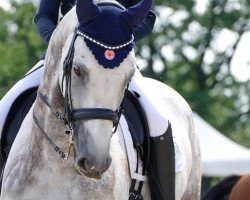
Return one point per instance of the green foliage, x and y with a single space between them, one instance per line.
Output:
184 41
20 45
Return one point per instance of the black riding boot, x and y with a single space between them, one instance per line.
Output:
161 168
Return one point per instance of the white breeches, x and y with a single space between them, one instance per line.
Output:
156 116
157 119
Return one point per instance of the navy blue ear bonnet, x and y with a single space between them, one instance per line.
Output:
108 30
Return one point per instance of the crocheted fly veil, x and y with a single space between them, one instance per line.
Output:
108 28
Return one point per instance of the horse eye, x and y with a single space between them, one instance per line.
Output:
77 71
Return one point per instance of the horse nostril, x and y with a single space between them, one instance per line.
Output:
84 164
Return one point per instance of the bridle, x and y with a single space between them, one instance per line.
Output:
71 115
82 113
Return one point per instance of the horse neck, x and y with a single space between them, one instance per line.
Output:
45 115
53 61
50 88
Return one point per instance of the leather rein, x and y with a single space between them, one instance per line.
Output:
71 115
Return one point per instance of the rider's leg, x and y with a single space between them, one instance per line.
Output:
157 118
30 81
161 168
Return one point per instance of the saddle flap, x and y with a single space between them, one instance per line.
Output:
16 115
134 119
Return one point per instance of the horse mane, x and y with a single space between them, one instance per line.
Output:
57 42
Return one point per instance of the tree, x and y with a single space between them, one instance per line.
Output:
20 45
183 52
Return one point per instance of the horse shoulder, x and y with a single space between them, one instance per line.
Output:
23 159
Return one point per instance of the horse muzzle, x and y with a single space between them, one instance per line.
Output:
92 169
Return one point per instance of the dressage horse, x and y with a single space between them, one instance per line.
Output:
94 164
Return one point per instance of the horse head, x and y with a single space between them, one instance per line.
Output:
96 64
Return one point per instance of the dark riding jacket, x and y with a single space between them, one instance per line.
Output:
46 18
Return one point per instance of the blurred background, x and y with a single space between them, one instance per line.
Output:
200 48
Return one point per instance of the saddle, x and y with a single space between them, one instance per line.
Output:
156 153
13 122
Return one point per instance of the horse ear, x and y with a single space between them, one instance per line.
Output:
86 10
136 14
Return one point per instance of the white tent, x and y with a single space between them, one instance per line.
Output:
220 155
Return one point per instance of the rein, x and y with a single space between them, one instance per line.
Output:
71 115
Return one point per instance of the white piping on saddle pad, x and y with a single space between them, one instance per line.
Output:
132 155
131 152
30 81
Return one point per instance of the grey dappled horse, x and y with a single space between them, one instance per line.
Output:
97 165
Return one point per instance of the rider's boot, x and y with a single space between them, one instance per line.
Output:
161 169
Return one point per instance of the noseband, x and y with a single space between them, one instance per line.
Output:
71 115
82 113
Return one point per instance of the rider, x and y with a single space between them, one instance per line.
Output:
46 20
47 17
